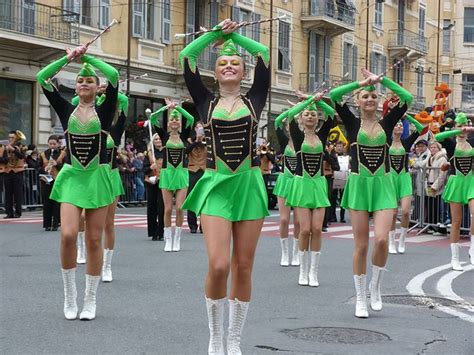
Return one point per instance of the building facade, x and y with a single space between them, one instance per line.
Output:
316 43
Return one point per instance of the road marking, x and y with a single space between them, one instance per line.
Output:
444 286
423 239
415 286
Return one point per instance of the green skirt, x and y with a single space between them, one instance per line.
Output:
283 185
117 183
87 189
403 184
369 193
173 179
308 192
235 197
459 189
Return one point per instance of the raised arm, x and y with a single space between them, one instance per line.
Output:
109 71
48 72
282 138
419 127
338 93
297 136
403 94
189 118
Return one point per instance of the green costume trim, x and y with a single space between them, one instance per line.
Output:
87 70
404 96
338 93
51 69
256 49
48 72
189 118
123 103
195 48
228 48
419 127
369 88
461 119
402 183
447 134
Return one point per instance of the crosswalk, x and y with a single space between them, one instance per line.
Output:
270 228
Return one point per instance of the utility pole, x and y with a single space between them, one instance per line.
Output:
269 115
367 36
437 42
129 44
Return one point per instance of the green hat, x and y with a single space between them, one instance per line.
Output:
311 107
175 113
228 48
369 88
87 70
461 118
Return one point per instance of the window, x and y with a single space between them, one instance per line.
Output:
469 24
104 13
86 13
420 73
284 46
421 21
378 15
16 100
467 85
138 18
378 64
445 78
71 6
398 72
166 15
446 37
240 15
349 61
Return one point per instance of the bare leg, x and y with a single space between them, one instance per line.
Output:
95 222
382 223
217 233
405 204
360 227
180 197
245 239
456 219
317 218
285 212
70 218
168 202
304 218
109 242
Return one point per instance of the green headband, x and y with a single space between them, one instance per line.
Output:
87 70
175 113
461 118
369 88
229 49
311 107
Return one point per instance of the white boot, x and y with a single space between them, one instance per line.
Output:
70 293
360 282
168 239
215 315
88 312
284 252
81 248
455 257
392 248
471 250
237 314
304 268
107 266
295 259
177 239
313 269
375 296
401 241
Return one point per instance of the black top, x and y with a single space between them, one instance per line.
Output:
372 157
399 163
159 154
232 141
105 112
174 156
462 164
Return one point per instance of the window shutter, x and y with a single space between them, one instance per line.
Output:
312 70
138 18
256 28
72 6
214 21
354 63
104 13
166 15
383 69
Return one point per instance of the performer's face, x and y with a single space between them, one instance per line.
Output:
310 118
398 130
174 123
229 69
86 86
368 100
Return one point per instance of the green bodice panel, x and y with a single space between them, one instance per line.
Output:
460 186
173 178
284 180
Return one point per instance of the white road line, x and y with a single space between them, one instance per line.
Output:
453 312
444 285
349 236
415 286
340 229
423 239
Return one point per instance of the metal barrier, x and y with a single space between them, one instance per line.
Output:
430 211
134 193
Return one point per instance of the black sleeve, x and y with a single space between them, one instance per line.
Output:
202 97
116 131
259 90
191 146
163 135
331 158
389 122
146 165
450 145
185 131
18 153
351 123
271 157
296 135
282 139
324 131
408 142
63 108
107 110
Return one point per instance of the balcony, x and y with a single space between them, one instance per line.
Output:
403 42
27 25
418 104
309 82
327 17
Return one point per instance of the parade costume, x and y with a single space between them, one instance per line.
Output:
232 186
155 208
12 167
460 186
50 207
84 181
174 174
401 178
282 187
369 186
309 188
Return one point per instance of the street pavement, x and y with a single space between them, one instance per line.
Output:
155 305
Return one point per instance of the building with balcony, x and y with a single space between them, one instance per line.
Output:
315 44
